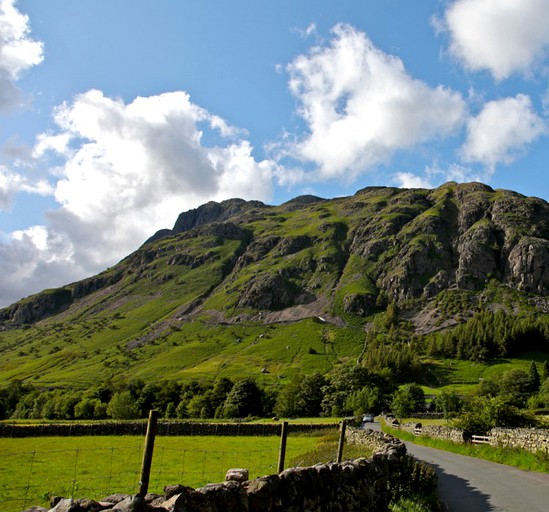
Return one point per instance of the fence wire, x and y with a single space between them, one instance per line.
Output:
31 478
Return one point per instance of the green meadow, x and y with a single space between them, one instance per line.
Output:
33 469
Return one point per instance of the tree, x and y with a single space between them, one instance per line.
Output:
123 406
449 403
345 381
310 394
85 409
534 378
170 411
201 406
484 413
287 399
11 395
515 387
545 371
407 400
367 399
245 399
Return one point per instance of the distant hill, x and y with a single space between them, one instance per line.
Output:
233 284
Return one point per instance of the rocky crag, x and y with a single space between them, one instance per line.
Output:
338 259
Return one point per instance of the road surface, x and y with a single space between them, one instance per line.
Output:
467 484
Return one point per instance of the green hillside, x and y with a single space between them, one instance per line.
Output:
241 289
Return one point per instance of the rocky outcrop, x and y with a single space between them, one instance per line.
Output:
273 291
213 212
528 267
37 307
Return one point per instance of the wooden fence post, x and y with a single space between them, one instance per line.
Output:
148 453
282 451
341 441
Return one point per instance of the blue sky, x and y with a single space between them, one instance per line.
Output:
116 116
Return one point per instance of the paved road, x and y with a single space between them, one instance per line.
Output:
470 485
467 484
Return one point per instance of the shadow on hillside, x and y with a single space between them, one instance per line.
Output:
457 495
436 375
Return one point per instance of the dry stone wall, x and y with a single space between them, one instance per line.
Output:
164 428
529 439
453 434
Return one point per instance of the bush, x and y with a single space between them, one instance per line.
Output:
484 413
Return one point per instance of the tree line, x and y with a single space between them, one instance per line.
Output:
489 335
350 390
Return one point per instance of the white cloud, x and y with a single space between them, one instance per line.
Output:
12 183
360 106
501 131
502 36
125 171
17 52
411 180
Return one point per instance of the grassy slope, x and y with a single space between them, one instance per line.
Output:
463 376
135 330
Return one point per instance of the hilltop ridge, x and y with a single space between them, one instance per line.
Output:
347 254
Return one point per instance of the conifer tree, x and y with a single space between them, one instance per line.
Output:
545 371
533 377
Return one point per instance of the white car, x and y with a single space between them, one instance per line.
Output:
368 418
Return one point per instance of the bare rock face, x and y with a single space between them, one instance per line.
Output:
37 307
273 291
478 258
213 212
359 304
528 266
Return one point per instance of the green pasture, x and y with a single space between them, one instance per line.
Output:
33 469
463 376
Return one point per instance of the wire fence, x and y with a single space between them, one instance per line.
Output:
35 469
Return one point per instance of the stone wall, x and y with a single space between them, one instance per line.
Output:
374 440
352 486
456 435
164 428
529 439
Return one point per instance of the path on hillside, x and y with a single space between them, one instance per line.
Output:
467 484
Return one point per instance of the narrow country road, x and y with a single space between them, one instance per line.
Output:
467 484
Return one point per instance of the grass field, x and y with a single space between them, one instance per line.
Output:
463 376
33 469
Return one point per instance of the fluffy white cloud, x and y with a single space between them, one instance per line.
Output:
502 36
501 130
17 52
411 180
122 172
360 106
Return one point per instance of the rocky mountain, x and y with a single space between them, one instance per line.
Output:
240 288
340 259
